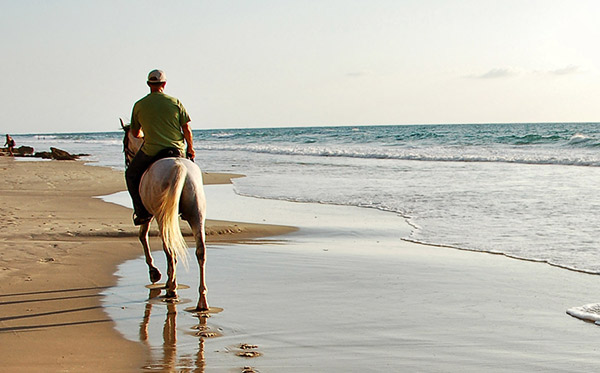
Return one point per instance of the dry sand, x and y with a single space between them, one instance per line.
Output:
59 248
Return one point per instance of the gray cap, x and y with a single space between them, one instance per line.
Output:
157 76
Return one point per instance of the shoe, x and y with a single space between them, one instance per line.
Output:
140 220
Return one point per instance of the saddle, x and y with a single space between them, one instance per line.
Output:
168 153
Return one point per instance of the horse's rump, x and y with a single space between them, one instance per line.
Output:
161 188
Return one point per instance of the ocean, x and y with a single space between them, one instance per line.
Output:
527 191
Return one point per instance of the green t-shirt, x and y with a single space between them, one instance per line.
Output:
160 117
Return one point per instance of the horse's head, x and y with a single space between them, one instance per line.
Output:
131 144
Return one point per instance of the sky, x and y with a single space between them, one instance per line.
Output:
80 65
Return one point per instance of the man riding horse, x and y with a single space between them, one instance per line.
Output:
164 124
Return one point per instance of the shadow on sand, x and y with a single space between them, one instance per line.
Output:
18 309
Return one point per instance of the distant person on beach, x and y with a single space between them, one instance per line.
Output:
10 143
165 126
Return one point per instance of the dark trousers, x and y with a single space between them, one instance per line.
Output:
133 175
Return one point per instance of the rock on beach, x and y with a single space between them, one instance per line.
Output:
54 153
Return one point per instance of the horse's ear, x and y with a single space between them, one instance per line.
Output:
122 124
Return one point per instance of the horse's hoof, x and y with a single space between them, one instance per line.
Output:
154 275
199 311
171 295
202 307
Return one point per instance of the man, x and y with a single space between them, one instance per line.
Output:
165 125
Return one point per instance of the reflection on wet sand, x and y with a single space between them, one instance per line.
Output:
169 361
180 339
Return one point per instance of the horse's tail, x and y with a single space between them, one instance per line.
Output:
167 216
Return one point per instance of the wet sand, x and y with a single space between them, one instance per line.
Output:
59 249
344 293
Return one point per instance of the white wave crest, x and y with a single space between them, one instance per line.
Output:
440 154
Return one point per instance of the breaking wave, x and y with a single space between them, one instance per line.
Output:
441 154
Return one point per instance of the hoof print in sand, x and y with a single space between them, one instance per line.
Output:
248 350
208 334
205 331
245 346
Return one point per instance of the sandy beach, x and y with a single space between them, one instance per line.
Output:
59 248
342 293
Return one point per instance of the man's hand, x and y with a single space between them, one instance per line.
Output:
190 153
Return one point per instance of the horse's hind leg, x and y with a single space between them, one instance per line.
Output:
171 267
197 226
202 289
143 236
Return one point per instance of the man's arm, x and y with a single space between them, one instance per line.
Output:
135 127
186 129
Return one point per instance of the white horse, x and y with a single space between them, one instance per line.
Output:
172 186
